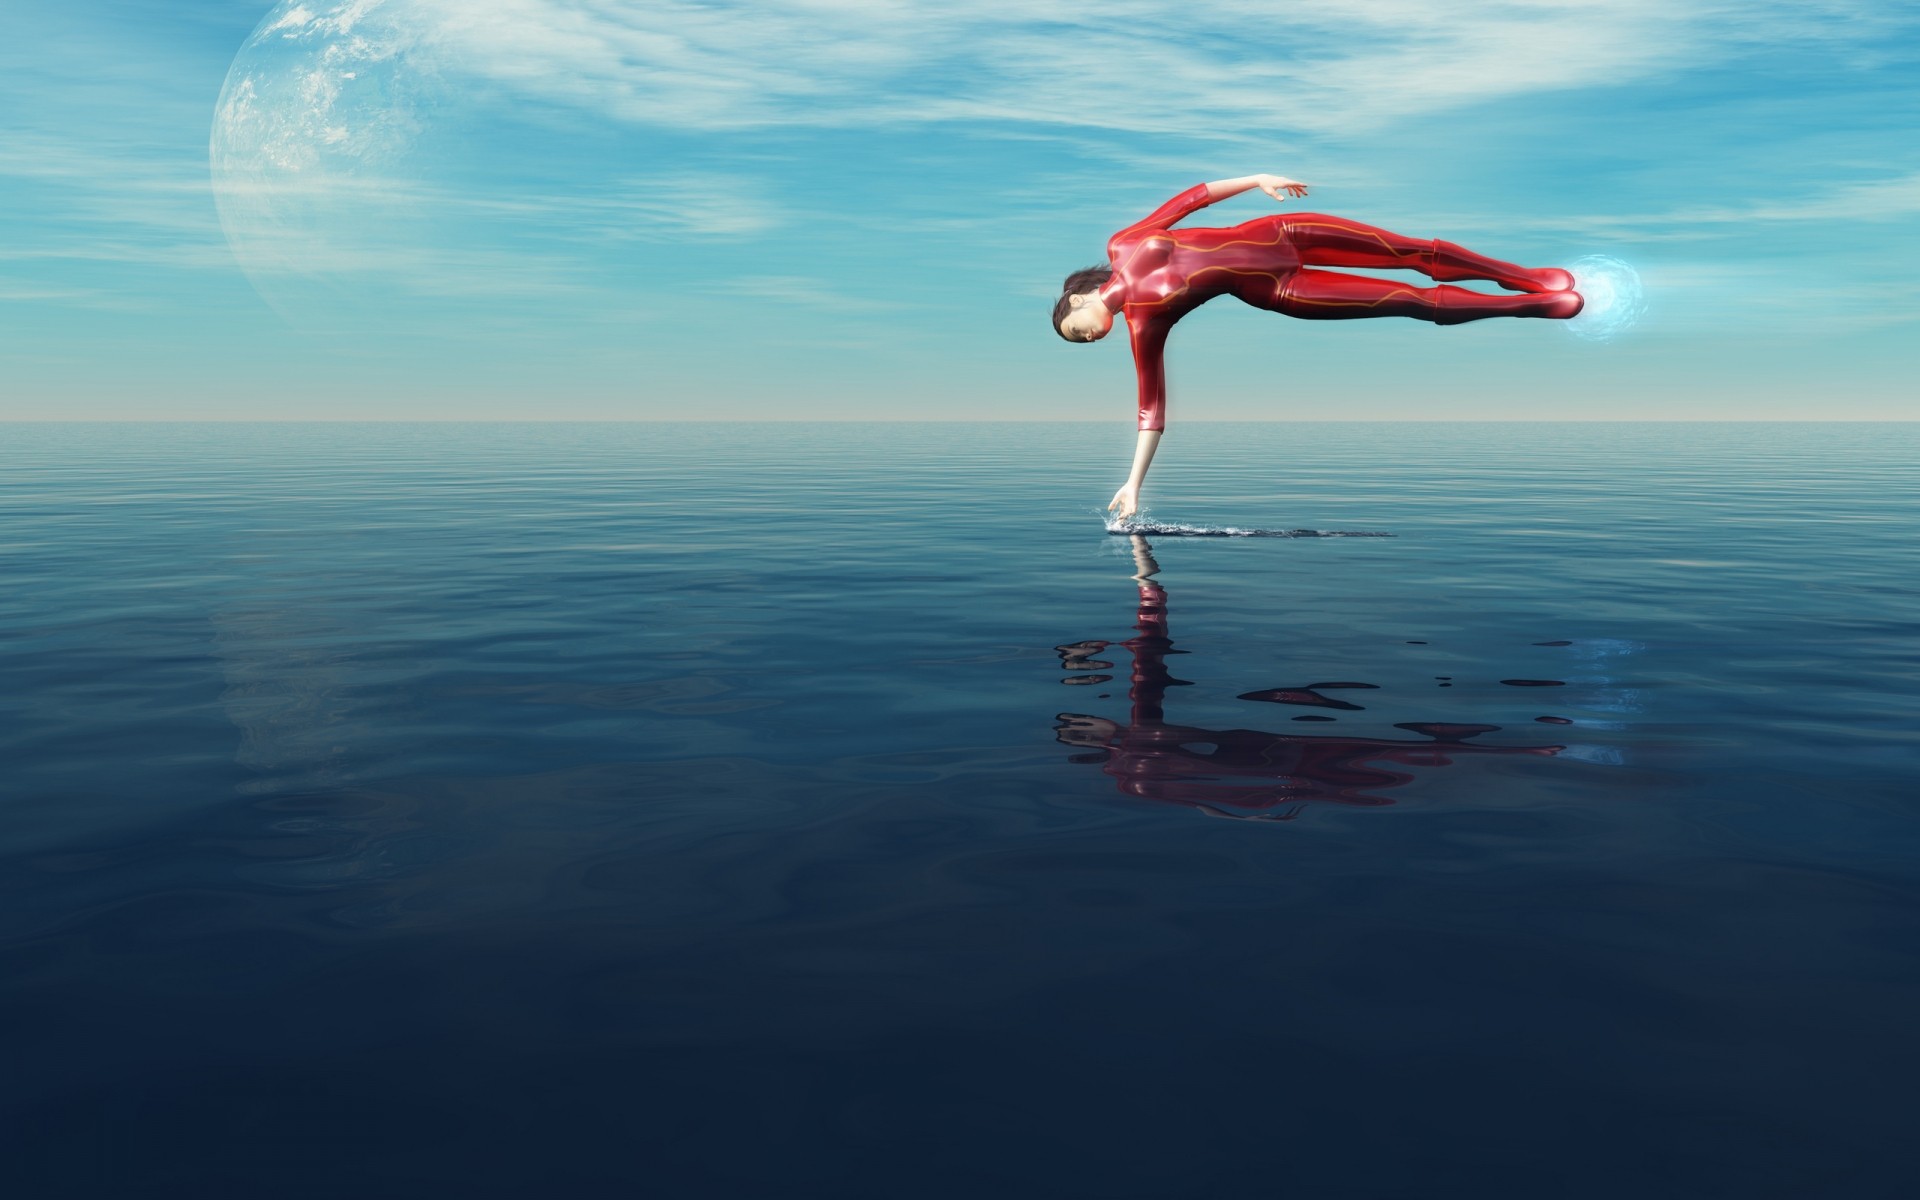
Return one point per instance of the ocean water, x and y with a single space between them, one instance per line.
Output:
704 810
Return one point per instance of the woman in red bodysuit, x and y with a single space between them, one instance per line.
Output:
1158 274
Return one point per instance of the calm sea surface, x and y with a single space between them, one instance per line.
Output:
529 810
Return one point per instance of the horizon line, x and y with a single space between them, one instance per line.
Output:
936 421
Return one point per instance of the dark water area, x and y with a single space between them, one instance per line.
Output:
842 811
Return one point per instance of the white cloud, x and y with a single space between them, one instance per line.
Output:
639 208
1874 200
1208 68
24 293
296 17
797 291
1883 199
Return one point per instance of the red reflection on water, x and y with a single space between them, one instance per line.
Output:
1243 773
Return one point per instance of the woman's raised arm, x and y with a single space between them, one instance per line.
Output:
1272 185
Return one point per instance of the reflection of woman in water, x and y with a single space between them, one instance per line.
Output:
1242 773
1156 274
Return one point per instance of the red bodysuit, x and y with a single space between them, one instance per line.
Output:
1160 274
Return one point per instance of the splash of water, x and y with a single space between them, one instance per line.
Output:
1613 294
1181 529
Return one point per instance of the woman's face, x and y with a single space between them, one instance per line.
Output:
1088 320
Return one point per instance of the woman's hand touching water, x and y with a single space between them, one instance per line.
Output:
1126 501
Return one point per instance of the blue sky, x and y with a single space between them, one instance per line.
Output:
847 209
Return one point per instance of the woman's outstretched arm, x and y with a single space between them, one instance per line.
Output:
1272 185
1200 195
1126 501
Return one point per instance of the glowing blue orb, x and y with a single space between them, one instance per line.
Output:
1613 294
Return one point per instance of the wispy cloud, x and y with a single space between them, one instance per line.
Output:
1715 298
18 293
1881 200
108 203
797 291
1877 200
666 207
1207 68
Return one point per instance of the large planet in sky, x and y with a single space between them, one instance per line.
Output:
372 170
320 153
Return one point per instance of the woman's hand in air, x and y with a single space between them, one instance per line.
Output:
1126 502
1280 187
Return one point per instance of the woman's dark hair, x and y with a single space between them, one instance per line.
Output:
1086 279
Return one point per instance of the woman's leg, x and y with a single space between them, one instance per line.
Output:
1331 296
1325 241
